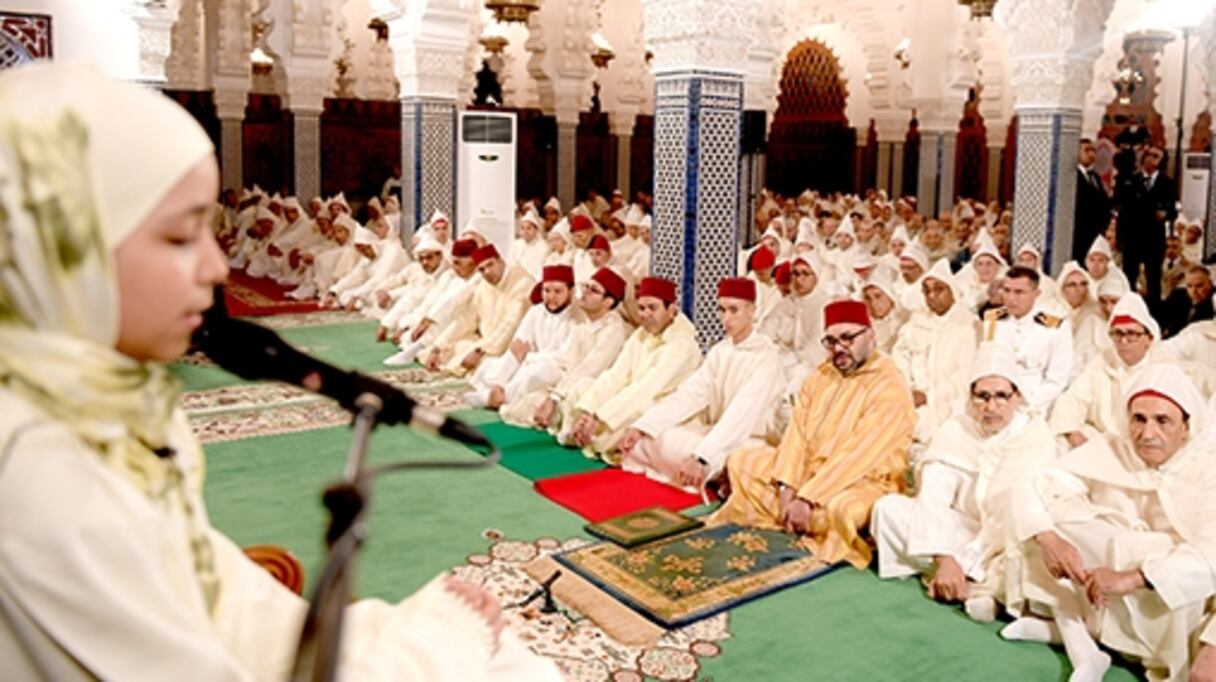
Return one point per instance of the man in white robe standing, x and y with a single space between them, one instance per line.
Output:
1117 540
954 528
935 351
732 400
533 350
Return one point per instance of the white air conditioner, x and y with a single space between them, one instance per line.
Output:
1196 171
485 175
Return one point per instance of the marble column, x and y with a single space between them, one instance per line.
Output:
897 169
230 108
428 159
624 165
306 139
698 116
883 179
567 162
996 159
1046 180
935 178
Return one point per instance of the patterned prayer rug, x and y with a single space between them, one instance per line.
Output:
245 295
684 578
579 647
270 408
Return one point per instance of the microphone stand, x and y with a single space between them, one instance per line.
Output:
319 650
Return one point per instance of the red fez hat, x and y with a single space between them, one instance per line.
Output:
599 241
536 295
612 282
1158 394
657 287
1124 319
737 287
463 248
853 312
485 253
783 272
558 273
763 259
580 222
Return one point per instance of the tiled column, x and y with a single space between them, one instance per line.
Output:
1046 181
428 158
935 180
996 158
624 165
698 117
306 141
567 161
1209 225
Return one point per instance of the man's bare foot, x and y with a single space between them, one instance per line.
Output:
381 334
498 396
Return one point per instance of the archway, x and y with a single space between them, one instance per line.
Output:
811 144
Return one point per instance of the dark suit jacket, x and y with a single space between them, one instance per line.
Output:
1179 312
1092 216
1138 226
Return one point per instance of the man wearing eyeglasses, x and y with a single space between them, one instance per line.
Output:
954 529
845 447
1041 342
1090 406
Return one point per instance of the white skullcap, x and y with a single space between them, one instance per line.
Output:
427 243
562 229
634 215
1071 267
846 227
1101 246
1168 380
554 204
1112 287
994 360
941 272
1134 307
899 234
531 217
917 254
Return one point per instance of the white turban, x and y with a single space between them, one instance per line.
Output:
554 204
994 360
1131 305
1101 246
1169 381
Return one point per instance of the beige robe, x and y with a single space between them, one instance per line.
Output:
1093 403
488 323
649 367
1195 349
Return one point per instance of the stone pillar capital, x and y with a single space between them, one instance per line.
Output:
674 30
230 101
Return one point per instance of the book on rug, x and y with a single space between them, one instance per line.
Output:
646 525
683 578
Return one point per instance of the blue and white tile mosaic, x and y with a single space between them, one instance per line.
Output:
1045 190
428 150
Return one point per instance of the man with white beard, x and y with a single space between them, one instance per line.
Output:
540 336
1117 539
1091 405
935 351
954 528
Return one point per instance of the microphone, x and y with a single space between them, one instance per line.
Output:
254 352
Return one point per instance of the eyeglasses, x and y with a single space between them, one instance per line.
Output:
844 340
1126 336
998 397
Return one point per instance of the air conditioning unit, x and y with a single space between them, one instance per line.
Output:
1193 185
485 175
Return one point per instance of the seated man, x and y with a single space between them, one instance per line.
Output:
1190 305
1090 406
935 350
1193 348
418 279
731 399
653 362
588 351
484 328
541 333
845 447
1117 540
954 529
446 299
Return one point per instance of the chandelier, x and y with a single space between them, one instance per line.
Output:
512 10
1126 81
494 38
980 9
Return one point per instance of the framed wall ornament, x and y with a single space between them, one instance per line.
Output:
24 38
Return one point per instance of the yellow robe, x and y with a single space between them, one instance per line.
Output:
846 446
488 323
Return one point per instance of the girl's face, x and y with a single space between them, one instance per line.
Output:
167 269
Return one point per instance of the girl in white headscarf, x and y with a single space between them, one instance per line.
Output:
109 567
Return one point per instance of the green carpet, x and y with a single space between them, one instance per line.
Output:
845 626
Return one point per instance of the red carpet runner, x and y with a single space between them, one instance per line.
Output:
246 296
600 495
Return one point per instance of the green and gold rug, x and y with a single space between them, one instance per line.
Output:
681 579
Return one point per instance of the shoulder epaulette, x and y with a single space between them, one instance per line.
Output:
994 314
1048 320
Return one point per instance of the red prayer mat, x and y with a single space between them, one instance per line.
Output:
601 495
246 296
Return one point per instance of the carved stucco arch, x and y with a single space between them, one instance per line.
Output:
850 54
